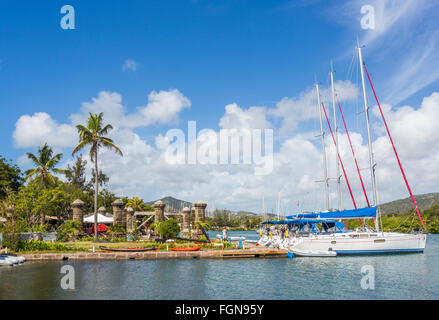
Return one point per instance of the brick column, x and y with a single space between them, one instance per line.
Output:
131 220
78 210
118 213
200 211
9 212
186 219
102 211
159 211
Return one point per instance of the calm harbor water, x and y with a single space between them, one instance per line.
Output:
405 276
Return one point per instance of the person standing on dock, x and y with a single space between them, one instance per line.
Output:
225 237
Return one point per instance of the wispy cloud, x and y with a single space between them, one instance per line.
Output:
130 64
406 30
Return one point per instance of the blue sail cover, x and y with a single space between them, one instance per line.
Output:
346 214
311 224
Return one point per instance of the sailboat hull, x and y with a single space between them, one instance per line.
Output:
361 243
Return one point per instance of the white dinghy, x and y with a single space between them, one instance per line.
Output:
313 253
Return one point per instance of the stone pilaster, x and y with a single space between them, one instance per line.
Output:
186 219
159 211
78 210
200 211
118 217
102 211
131 220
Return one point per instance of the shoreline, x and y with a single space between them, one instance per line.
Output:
211 254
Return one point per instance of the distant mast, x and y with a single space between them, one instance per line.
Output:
371 156
263 208
336 141
322 135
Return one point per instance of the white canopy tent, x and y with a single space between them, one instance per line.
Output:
101 219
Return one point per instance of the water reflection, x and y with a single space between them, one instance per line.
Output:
407 276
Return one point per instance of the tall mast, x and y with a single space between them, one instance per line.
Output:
336 141
371 156
278 205
322 135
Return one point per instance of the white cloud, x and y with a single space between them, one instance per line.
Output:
32 131
406 29
252 118
163 107
130 64
304 107
144 172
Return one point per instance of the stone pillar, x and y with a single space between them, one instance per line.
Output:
192 218
102 211
186 219
9 212
118 213
200 211
131 220
78 210
159 211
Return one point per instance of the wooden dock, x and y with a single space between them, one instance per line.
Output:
156 255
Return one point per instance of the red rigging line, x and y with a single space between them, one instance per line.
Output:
394 149
341 162
353 154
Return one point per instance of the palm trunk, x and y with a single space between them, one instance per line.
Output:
96 195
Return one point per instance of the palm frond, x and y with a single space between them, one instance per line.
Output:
34 159
110 145
81 146
106 129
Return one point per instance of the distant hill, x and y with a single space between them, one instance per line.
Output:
424 201
172 204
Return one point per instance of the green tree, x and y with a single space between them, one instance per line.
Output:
138 205
102 178
71 227
92 136
76 175
168 228
33 204
10 177
45 163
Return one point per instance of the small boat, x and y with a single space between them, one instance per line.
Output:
313 253
186 248
127 249
10 259
219 236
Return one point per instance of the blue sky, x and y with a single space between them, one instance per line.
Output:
252 53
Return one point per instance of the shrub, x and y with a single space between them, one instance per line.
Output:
43 246
168 228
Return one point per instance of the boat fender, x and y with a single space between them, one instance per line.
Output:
290 255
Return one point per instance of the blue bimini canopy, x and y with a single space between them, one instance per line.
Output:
310 224
346 214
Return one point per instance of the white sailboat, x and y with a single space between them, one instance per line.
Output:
333 240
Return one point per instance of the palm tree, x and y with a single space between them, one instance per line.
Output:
92 135
136 203
45 163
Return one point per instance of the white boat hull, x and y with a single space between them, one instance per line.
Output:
361 243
